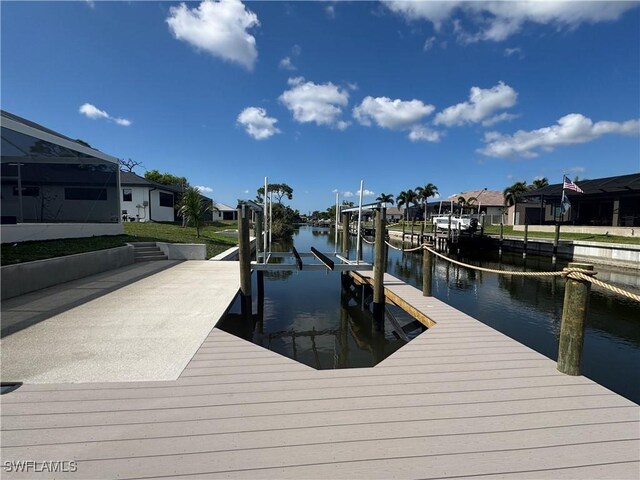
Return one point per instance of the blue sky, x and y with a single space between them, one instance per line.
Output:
322 95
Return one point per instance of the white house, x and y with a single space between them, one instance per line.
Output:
224 212
143 200
54 186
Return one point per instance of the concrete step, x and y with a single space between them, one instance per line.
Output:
146 249
143 244
151 258
147 254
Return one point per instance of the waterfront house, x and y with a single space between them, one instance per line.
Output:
606 202
224 212
54 186
143 200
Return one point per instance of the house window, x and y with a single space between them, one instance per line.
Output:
166 200
27 191
82 193
127 195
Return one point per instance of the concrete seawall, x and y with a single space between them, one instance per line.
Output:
614 254
31 276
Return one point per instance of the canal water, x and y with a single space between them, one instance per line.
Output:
307 316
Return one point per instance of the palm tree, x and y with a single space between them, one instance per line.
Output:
385 198
406 198
539 183
461 202
511 195
471 201
424 193
193 207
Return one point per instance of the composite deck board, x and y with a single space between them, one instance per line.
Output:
460 400
221 419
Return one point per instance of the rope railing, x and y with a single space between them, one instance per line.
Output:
570 272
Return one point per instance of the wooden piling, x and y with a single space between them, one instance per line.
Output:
501 236
379 265
345 234
244 255
574 314
427 269
526 239
449 230
258 235
556 239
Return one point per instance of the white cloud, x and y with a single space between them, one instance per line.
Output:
366 193
296 50
202 189
501 117
393 114
287 64
245 191
335 190
257 124
577 169
122 121
94 113
428 44
318 103
420 133
570 130
347 194
513 51
496 20
218 27
330 11
481 104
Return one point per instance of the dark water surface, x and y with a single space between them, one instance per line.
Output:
305 316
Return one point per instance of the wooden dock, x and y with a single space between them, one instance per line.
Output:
461 400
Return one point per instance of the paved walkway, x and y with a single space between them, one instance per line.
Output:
136 323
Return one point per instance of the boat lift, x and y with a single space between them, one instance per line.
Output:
294 260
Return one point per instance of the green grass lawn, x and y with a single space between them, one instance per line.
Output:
508 231
211 236
590 237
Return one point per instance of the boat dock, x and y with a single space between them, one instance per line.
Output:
460 400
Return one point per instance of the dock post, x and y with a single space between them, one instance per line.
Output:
449 230
574 314
526 238
501 237
427 269
345 233
411 233
556 240
481 225
379 266
258 235
244 254
359 240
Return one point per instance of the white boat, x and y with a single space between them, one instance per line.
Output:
461 222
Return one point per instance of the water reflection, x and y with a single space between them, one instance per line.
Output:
340 334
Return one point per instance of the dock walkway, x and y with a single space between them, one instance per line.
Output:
460 400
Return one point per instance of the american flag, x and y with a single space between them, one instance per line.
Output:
569 185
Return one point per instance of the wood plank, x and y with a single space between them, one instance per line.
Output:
467 434
569 408
421 400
